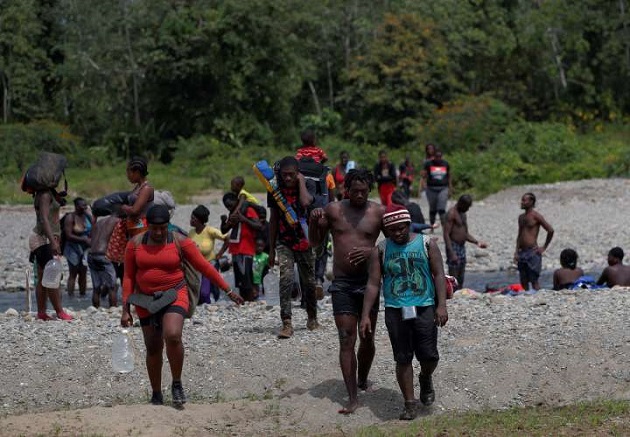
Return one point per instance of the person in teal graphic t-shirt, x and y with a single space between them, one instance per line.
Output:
415 302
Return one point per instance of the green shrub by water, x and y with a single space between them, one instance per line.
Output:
523 153
528 153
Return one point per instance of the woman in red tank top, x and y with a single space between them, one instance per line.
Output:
153 264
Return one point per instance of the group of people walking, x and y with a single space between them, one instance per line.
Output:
406 266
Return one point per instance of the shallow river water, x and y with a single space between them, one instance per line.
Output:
476 280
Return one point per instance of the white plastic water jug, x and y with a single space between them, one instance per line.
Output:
52 273
122 352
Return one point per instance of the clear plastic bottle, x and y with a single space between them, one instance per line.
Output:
122 352
51 278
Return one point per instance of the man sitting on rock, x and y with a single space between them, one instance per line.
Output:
616 273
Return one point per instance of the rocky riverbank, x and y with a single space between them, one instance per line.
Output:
497 352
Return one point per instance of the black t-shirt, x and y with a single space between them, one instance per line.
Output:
437 172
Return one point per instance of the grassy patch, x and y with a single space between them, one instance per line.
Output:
606 417
525 153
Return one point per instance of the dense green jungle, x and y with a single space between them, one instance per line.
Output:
513 91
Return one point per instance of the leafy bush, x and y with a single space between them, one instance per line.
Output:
469 123
328 123
20 144
540 142
528 153
207 157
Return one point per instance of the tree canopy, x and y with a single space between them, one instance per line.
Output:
137 75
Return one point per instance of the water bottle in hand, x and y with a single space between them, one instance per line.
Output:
52 273
122 353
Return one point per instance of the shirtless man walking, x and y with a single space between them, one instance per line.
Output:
455 237
616 273
528 255
355 224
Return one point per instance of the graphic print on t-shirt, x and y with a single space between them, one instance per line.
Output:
438 172
405 272
407 279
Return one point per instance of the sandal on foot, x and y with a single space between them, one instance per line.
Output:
43 316
64 316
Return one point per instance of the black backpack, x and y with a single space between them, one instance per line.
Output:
315 174
46 173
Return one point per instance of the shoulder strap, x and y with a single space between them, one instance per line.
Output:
171 239
145 238
426 240
382 247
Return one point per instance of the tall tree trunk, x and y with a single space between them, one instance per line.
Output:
626 37
5 97
318 108
331 91
556 55
134 71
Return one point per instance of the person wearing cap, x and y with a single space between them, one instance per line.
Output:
414 290
153 265
354 224
140 198
205 237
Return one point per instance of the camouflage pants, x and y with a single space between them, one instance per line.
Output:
306 268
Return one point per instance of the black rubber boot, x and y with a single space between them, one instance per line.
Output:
427 394
177 391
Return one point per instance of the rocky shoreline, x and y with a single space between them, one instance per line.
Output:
497 352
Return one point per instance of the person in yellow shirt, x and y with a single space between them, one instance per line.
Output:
205 237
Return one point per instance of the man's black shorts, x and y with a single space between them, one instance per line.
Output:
417 335
347 296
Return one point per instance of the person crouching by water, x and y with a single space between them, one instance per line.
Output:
153 265
415 303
